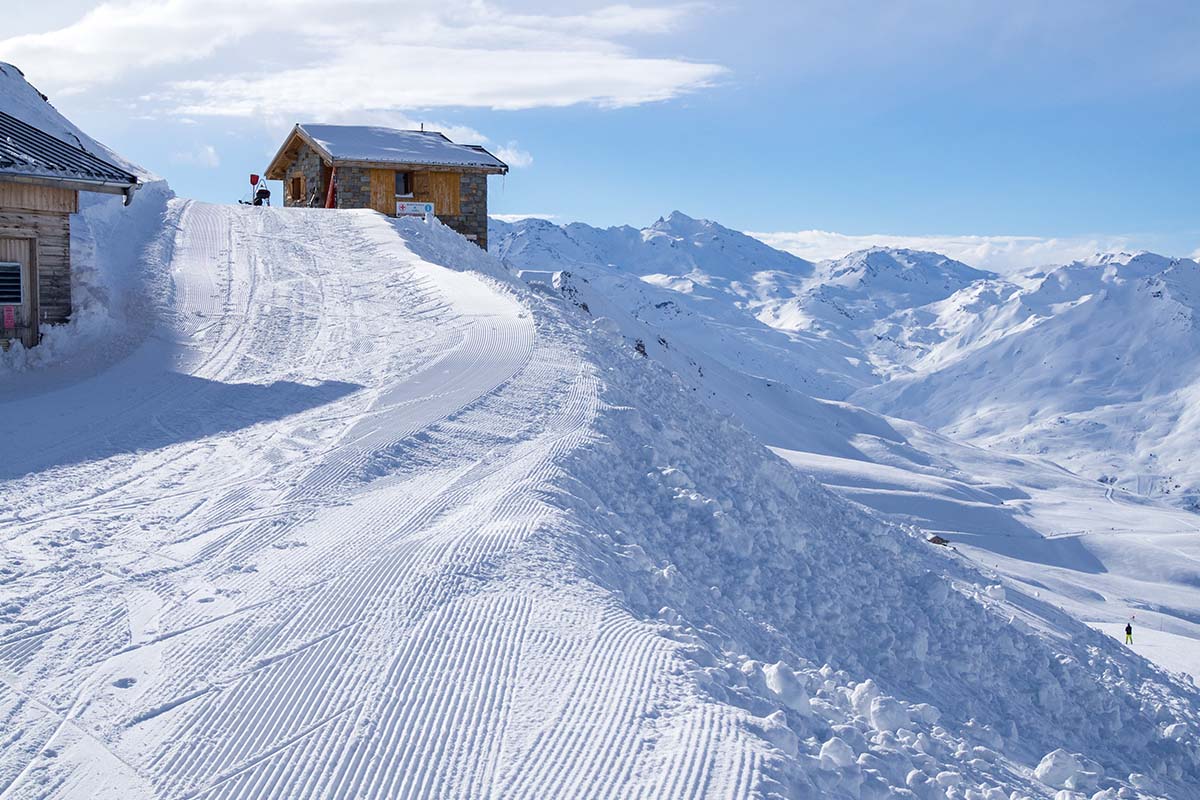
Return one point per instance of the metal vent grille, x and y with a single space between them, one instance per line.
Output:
10 284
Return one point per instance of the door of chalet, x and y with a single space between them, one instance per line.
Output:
18 291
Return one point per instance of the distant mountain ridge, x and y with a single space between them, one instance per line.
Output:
1093 364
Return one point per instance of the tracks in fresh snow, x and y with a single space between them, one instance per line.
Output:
288 554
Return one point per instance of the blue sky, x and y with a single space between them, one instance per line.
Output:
1015 130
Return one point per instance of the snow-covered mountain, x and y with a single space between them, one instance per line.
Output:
927 336
1093 365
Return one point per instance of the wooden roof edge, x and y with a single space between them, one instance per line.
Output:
277 169
74 184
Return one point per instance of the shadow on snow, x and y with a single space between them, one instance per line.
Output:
95 420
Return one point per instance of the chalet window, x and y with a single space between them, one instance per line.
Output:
298 189
11 291
404 184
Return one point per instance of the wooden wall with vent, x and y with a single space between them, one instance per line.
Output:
440 188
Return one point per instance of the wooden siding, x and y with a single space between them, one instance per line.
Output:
383 190
443 189
439 188
52 257
28 197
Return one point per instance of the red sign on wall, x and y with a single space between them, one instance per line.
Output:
10 316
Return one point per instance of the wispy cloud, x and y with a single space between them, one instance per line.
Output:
358 56
997 253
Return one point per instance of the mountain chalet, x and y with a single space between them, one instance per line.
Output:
395 172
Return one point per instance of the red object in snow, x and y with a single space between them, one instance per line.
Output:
331 194
253 179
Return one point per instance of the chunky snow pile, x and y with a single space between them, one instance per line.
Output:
924 675
107 296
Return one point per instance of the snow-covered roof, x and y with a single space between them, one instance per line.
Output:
28 153
369 144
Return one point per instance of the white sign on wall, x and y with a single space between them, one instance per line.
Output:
410 209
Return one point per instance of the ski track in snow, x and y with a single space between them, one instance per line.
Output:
264 568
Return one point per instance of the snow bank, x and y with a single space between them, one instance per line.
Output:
772 568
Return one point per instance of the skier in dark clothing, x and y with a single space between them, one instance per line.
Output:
1128 633
262 195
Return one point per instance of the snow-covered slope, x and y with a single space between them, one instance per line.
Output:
969 353
1096 365
364 517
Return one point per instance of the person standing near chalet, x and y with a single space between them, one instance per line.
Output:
1128 633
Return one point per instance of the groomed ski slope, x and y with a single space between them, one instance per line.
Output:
362 517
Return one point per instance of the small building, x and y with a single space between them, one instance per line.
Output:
395 172
41 177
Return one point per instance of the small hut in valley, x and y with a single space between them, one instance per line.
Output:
395 172
41 177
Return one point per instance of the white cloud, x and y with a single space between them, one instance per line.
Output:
115 39
997 253
285 57
203 156
499 79
514 156
519 217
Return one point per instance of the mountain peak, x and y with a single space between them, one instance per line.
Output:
903 261
681 224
